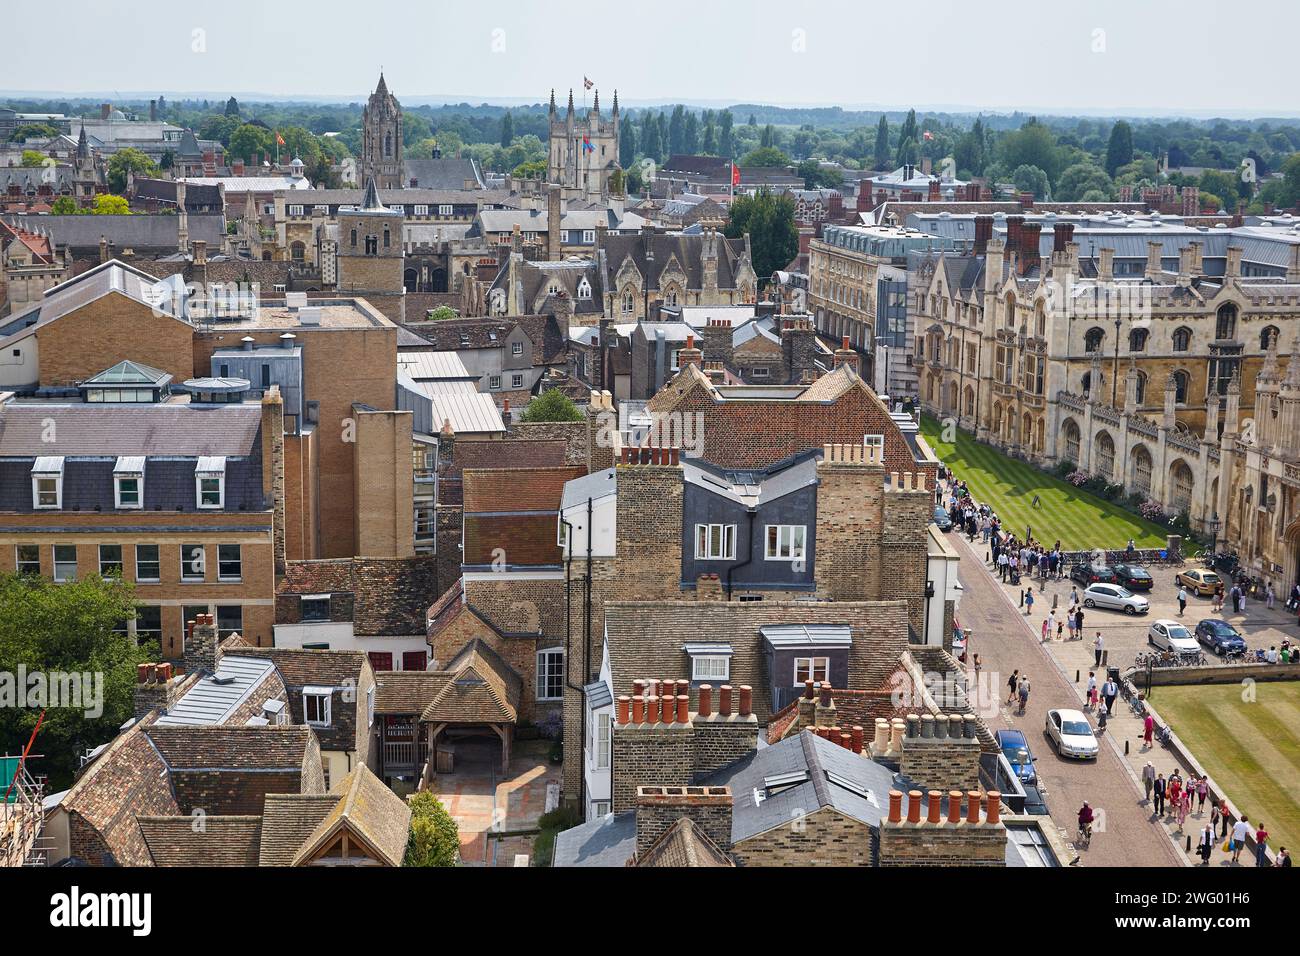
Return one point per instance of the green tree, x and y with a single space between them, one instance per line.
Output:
816 176
677 131
33 131
249 140
617 182
627 144
1031 145
68 628
908 151
65 206
765 156
507 130
128 161
691 134
33 158
1119 150
552 406
709 134
107 204
880 156
232 107
1031 179
768 219
1080 179
726 138
443 312
533 169
435 837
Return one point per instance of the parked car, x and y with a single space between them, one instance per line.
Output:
1071 734
1016 749
1198 580
1219 636
1172 636
1086 574
1112 597
1133 577
943 519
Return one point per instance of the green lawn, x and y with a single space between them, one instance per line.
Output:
1250 748
1076 518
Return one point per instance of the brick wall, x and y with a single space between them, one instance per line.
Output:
849 525
658 808
573 434
385 482
109 330
823 838
944 764
942 844
721 741
647 755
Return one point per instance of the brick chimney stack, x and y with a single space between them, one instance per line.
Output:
1029 245
983 233
156 688
846 355
934 195
690 355
201 650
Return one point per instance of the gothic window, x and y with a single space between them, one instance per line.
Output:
1093 339
1071 440
628 305
354 238
1182 339
584 289
298 251
1181 383
1266 337
1010 317
1141 470
1141 390
1137 340
388 144
1182 482
387 238
1105 456
1226 325
1040 321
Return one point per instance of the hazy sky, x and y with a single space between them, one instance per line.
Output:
1157 56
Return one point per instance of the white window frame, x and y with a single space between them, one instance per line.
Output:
421 210
187 562
760 371
220 479
603 743
588 236
874 441
704 535
446 209
37 480
56 563
121 569
600 808
584 289
324 715
139 492
811 666
494 383
158 562
710 673
295 210
542 672
517 380
228 577
516 348
786 535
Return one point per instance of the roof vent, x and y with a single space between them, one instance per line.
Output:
309 316
295 300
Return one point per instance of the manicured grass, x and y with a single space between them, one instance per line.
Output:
1250 747
1067 514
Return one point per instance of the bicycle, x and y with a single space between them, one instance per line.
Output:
1084 835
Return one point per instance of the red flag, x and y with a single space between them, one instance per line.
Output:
735 175
278 138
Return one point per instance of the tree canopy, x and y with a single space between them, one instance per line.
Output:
773 236
552 406
435 838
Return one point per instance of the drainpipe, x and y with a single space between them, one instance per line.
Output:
568 640
748 560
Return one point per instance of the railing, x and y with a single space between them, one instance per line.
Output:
399 754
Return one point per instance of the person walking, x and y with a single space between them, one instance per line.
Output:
1148 779
1078 623
1148 730
1236 599
1013 683
1225 821
1003 563
1283 857
1206 845
1029 601
1092 690
1202 791
1109 691
1158 791
1270 596
1184 806
1182 601
1023 693
1218 598
1239 831
1216 817
1261 846
1097 646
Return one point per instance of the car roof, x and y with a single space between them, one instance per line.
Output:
1011 735
1168 622
1070 715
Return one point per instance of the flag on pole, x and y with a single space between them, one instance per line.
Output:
927 135
586 83
586 145
735 175
279 140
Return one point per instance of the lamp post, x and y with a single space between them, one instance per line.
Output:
1213 524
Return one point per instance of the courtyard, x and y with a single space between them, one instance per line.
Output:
1079 520
1248 739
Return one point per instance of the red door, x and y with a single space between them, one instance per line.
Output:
381 660
415 660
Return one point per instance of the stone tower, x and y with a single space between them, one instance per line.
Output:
85 175
370 254
381 139
583 150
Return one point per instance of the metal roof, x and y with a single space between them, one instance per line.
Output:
424 364
211 701
706 648
129 465
807 635
594 486
598 695
752 489
467 412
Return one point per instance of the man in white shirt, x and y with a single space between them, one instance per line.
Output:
1239 831
1097 648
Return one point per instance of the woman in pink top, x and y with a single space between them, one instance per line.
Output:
1184 806
1202 791
1148 729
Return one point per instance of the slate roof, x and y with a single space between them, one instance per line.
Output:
213 698
173 429
139 231
288 820
370 812
221 841
441 173
535 278
684 844
390 595
686 250
607 841
852 784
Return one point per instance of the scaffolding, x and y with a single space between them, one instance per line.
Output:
22 811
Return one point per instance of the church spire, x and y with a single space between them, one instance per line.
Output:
552 101
616 102
83 144
570 102
1269 373
595 106
370 201
382 88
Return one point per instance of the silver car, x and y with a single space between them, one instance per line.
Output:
1112 597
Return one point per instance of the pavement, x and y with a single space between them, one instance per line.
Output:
491 808
1123 834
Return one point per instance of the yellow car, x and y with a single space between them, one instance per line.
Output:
1199 581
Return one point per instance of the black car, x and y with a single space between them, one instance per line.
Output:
1133 577
1086 574
1219 636
942 519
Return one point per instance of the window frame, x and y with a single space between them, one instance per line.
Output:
811 665
516 380
798 554
118 502
19 561
187 563
697 675
199 479
704 535
603 745
56 563
494 383
121 571
37 480
221 573
324 717
315 600
156 562
545 674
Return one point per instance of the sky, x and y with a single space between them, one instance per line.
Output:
1147 57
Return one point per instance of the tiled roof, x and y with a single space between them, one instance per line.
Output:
441 173
685 250
406 692
684 844
307 668
139 232
231 748
288 819
220 841
390 595
480 688
370 812
606 841
150 430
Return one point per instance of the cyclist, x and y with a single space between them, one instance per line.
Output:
1085 823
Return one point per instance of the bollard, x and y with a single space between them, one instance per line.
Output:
1077 674
1126 743
1022 597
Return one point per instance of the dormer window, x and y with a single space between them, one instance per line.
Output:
210 482
584 289
47 482
316 706
128 483
709 662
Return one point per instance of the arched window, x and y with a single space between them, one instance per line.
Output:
1011 312
1105 456
1071 440
1093 339
628 305
1137 340
1225 327
970 401
584 289
1266 337
1182 487
1181 383
1142 470
298 251
1141 390
1182 339
1087 383
388 144
1040 321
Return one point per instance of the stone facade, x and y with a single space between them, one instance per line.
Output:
583 150
381 140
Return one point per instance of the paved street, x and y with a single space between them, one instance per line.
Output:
1003 638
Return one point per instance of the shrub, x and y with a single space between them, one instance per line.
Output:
552 406
561 818
1079 479
1152 511
435 837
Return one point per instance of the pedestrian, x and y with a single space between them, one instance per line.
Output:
1270 596
1078 624
977 665
1097 646
1239 831
1092 690
1182 601
1184 805
1218 598
1206 845
1047 629
1029 601
1003 564
1283 857
1148 779
1131 547
1174 791
1158 790
1225 819
1013 683
1109 691
1023 693
1261 846
1236 599
1202 791
1215 817
1148 730
1035 503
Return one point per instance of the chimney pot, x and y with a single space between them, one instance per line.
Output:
706 700
683 709
934 816
807 690
914 798
652 709
845 741
638 709
142 672
954 806
825 693
994 811
624 704
667 705
724 700
746 700
857 739
972 806
638 687
895 806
